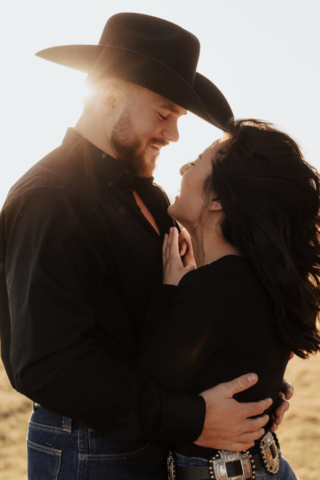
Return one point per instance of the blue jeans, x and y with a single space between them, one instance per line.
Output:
63 449
285 472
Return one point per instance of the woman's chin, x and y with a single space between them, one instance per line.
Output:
171 211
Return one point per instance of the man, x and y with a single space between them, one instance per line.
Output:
81 238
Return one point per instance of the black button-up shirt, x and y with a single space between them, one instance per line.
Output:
79 263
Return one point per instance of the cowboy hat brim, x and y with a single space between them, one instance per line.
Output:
203 98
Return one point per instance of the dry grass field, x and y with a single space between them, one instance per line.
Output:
299 434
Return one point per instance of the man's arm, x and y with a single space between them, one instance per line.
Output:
53 273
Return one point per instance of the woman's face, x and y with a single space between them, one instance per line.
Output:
189 204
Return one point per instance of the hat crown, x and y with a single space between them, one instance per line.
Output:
154 54
155 38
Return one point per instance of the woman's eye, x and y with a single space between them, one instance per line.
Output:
161 116
191 163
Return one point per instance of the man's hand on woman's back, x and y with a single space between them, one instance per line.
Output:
228 425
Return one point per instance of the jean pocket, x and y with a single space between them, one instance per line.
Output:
43 462
133 464
99 444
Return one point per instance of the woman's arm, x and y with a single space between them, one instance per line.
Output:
178 342
179 334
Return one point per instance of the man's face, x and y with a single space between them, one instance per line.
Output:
148 123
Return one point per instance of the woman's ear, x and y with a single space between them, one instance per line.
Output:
215 205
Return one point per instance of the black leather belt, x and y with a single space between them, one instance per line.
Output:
231 465
202 473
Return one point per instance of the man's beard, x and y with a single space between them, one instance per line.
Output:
128 146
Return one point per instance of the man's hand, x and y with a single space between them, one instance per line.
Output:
227 425
283 404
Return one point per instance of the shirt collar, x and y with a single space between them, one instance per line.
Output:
109 170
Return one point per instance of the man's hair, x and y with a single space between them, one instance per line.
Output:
270 197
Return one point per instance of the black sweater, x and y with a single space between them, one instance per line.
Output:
215 325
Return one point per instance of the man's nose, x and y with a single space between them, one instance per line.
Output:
171 131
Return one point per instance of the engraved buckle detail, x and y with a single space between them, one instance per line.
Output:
218 466
171 467
270 454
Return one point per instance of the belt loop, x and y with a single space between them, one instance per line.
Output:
67 425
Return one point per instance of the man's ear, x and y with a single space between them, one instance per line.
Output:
215 205
110 96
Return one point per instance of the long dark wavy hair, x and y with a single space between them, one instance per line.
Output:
270 197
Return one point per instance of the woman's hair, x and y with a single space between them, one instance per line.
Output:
270 197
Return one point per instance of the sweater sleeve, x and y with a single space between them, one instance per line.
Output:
179 336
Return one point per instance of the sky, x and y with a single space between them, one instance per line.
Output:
263 55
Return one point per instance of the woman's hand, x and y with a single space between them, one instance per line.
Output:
186 250
173 268
283 404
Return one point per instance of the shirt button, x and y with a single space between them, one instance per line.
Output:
81 457
104 155
110 184
127 171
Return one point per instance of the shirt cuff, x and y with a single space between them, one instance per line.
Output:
183 417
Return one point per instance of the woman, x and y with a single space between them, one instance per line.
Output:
251 205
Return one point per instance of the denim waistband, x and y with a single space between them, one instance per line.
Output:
183 461
48 417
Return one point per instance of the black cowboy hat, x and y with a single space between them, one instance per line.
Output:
154 54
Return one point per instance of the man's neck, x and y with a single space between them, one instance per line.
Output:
93 131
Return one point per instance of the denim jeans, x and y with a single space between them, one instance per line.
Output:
63 449
285 471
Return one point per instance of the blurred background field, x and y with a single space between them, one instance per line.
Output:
299 433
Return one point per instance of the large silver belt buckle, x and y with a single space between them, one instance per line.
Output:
270 454
171 467
218 466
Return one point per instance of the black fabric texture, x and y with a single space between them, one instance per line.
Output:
79 263
217 324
